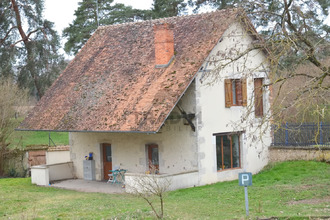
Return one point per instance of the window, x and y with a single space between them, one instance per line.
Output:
235 92
258 98
153 157
228 151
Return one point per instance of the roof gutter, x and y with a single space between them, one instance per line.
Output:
86 131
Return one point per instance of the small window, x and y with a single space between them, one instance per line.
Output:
258 97
153 157
235 92
228 151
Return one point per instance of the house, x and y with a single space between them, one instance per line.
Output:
166 93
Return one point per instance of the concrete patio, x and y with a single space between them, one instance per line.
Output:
89 186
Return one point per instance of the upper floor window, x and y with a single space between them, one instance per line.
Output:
235 92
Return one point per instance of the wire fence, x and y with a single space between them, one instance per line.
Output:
304 134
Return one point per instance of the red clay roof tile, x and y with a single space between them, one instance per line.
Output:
112 84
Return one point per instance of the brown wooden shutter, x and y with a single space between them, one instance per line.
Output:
244 92
258 98
239 93
228 95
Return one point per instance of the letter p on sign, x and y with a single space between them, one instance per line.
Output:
245 179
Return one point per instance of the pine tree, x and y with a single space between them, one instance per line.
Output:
93 13
168 8
28 45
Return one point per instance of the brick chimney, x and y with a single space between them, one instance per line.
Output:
164 45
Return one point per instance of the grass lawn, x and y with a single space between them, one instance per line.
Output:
27 138
290 190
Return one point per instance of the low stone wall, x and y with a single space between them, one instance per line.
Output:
43 154
58 154
280 153
43 174
16 163
60 171
177 181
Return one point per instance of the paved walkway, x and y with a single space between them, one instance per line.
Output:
89 186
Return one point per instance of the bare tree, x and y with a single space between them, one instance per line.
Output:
150 187
296 40
296 44
11 97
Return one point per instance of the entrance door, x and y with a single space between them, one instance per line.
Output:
107 160
153 158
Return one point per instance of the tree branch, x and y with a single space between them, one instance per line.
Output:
28 36
19 21
311 52
7 34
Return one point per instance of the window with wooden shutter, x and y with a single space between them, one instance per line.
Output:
258 98
235 92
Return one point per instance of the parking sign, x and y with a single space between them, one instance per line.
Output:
245 179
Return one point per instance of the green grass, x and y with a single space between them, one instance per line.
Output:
28 138
290 190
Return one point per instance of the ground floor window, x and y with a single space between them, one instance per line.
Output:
228 151
153 157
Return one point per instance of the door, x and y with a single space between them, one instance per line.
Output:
153 158
107 160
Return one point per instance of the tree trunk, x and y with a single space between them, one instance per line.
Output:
29 48
31 67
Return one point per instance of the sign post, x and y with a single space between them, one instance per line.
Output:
245 179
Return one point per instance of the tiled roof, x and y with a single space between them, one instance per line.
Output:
112 84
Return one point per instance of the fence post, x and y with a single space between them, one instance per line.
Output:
286 134
321 135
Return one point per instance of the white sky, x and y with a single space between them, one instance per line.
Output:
61 12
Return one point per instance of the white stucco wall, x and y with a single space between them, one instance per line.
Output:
40 175
214 117
60 171
176 181
182 150
53 157
176 141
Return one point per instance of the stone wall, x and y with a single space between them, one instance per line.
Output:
19 162
16 163
278 153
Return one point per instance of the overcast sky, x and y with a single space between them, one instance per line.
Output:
61 11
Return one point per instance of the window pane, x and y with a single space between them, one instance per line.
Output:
235 145
219 155
108 154
226 152
233 86
154 156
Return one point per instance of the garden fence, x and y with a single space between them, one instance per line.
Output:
303 134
